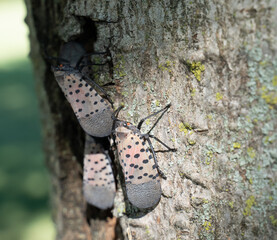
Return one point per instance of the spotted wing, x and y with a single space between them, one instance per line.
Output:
98 179
141 176
93 112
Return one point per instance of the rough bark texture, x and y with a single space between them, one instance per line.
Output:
216 62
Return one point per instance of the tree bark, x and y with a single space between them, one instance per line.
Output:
216 62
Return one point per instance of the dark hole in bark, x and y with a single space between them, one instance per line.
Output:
89 33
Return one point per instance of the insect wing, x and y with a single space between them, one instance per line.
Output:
93 112
141 177
98 179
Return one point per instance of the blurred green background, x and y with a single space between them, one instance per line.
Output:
24 184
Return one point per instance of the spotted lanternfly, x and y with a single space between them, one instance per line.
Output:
138 162
93 112
98 179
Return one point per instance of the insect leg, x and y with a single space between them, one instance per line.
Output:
114 118
152 115
101 89
116 112
108 84
155 158
169 148
86 55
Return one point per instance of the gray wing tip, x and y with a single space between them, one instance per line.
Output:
99 125
100 197
144 195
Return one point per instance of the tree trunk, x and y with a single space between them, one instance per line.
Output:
216 62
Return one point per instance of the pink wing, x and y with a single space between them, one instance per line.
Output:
93 112
137 160
84 100
141 176
99 184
